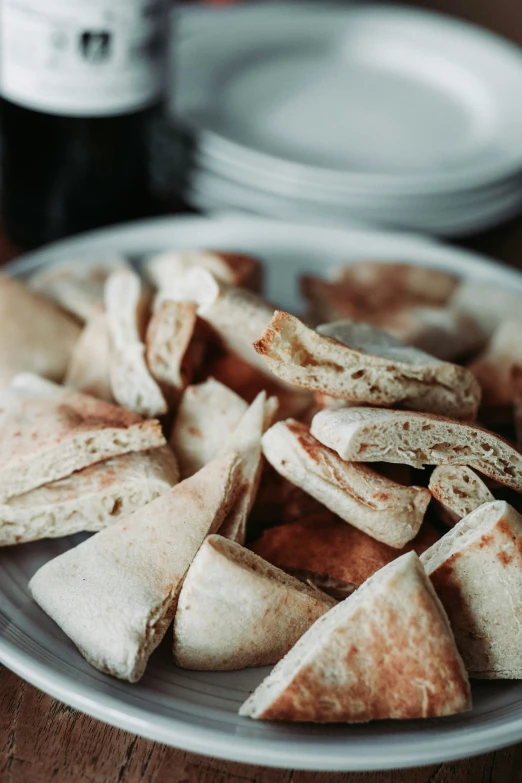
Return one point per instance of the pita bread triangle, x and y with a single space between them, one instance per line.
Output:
166 270
458 491
88 370
236 610
476 569
417 439
386 651
167 339
366 365
132 384
47 432
77 284
237 316
36 335
365 290
88 499
207 416
387 511
246 441
115 594
323 550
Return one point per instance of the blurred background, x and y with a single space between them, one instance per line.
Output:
396 116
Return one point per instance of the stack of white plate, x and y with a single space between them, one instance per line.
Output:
362 113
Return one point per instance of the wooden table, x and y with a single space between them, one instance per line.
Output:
42 740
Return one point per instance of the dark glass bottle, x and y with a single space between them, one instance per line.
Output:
76 116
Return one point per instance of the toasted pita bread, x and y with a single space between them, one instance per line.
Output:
476 570
89 499
459 491
493 369
488 304
417 439
132 384
207 416
47 432
247 381
236 610
368 366
386 651
237 316
166 270
365 289
115 594
77 285
335 557
36 336
385 510
441 332
88 370
246 441
168 336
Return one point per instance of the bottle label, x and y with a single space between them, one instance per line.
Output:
83 57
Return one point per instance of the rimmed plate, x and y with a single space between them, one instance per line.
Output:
210 192
198 711
364 96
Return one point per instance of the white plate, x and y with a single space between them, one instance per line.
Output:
366 95
198 711
207 191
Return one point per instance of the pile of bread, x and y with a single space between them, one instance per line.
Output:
252 479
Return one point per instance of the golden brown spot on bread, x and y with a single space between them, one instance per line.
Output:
504 557
195 432
101 416
485 540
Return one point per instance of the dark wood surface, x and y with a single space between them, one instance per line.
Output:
42 740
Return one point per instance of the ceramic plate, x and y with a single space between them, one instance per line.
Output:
198 711
362 95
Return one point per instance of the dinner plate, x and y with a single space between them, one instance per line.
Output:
208 192
362 96
198 711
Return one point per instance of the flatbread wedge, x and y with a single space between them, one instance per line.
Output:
385 510
47 432
115 594
368 366
207 416
493 368
441 332
364 290
417 439
132 384
246 441
459 491
88 370
89 499
476 570
487 303
36 336
78 284
386 651
237 316
335 557
166 270
236 610
167 340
